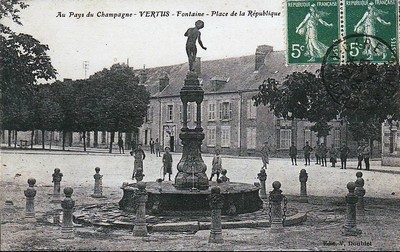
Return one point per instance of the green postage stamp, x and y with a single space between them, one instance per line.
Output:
312 27
377 20
365 29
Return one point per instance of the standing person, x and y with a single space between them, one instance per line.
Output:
167 162
151 146
333 155
265 155
344 152
322 153
307 149
360 156
293 153
121 145
317 153
139 156
366 153
216 165
157 146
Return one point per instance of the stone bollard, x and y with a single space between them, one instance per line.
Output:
140 228
30 194
8 213
360 192
216 204
350 228
57 176
98 184
275 201
67 228
303 177
262 176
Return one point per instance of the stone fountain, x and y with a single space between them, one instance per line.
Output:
191 187
190 191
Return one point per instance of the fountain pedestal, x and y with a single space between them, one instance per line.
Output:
191 168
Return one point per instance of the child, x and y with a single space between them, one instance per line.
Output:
224 178
216 165
265 155
139 156
193 34
167 162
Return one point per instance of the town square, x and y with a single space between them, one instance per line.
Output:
274 127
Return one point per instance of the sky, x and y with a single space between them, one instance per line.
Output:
149 41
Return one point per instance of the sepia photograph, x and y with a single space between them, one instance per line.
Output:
179 125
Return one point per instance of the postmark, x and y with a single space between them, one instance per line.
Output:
311 27
377 19
346 83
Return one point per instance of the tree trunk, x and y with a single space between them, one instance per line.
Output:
70 138
9 138
95 142
371 144
111 140
32 135
43 131
51 138
15 138
63 140
84 140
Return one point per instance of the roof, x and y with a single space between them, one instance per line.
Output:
239 73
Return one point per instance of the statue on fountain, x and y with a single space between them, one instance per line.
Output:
193 34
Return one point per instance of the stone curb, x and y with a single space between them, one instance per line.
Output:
194 226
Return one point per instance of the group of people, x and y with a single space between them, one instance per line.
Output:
154 146
139 155
322 152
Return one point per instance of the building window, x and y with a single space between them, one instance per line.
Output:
307 136
170 113
251 109
285 138
251 138
336 140
211 111
146 138
211 135
225 136
103 137
149 114
225 111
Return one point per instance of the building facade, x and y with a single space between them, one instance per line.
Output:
230 120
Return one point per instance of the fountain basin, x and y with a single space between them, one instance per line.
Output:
165 199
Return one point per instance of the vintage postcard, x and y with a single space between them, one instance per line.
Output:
199 125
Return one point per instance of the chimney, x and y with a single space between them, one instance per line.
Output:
164 81
143 75
197 66
261 52
219 82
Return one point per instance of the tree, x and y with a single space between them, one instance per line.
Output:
122 102
367 93
23 60
48 111
65 94
301 95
